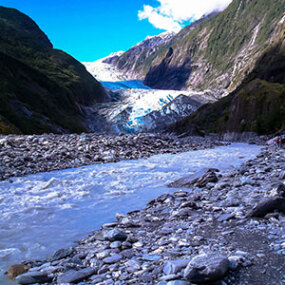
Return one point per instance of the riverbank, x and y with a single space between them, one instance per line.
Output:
214 223
22 155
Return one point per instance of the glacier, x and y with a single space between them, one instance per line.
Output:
136 107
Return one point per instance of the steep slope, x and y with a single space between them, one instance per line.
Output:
42 89
219 52
136 61
257 105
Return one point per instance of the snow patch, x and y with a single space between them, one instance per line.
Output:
104 71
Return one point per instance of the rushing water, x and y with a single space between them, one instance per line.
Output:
44 212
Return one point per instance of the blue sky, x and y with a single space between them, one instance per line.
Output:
92 29
88 29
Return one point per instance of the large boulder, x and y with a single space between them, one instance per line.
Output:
200 179
268 205
206 268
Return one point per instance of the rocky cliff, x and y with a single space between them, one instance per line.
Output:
42 89
220 51
136 61
257 105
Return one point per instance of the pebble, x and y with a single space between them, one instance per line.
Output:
22 155
113 259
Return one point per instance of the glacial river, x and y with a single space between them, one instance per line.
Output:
44 212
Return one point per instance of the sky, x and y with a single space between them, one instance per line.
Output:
92 29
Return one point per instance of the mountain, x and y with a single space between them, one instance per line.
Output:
257 105
136 61
218 52
42 89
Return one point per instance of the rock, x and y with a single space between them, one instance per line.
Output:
17 269
189 204
188 181
44 152
235 261
268 205
134 264
200 179
174 266
62 253
113 259
148 257
206 268
178 282
115 235
281 190
282 175
146 277
115 244
34 277
225 217
184 212
169 277
127 253
73 276
208 177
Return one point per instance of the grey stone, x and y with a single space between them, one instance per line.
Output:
148 257
174 266
268 205
169 277
210 176
73 276
127 253
146 277
226 217
201 178
113 259
115 244
134 264
189 204
189 180
281 190
115 235
34 277
206 268
178 282
235 261
62 253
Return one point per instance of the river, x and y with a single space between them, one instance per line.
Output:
43 212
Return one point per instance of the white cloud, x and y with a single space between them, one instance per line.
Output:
171 14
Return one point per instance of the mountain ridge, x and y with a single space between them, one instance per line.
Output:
42 89
220 51
257 105
132 61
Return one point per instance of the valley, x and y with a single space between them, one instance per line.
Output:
135 107
161 164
